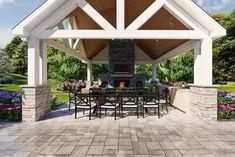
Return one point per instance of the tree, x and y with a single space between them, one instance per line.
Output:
224 50
5 65
17 53
19 58
11 47
179 68
145 69
98 69
62 67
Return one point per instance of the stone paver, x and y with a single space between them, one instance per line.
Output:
174 134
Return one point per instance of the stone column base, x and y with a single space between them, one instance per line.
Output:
36 102
88 84
203 102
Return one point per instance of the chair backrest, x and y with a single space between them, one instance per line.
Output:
83 99
109 99
150 98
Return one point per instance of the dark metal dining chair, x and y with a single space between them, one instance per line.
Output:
109 102
151 102
84 102
129 101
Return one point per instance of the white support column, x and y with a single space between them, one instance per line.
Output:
154 72
89 72
43 63
33 61
203 63
120 14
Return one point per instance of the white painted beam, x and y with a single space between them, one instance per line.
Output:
65 41
146 15
120 12
53 19
73 23
190 45
126 34
203 63
82 48
99 19
70 27
33 61
43 63
76 44
62 48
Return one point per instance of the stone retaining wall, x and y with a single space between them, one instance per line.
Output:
36 103
204 102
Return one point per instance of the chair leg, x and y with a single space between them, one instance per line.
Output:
90 114
75 112
100 113
69 106
115 113
167 107
119 111
143 111
122 113
137 112
158 111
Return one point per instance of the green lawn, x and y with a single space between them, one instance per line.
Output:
22 80
230 87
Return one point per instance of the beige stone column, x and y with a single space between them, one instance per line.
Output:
204 102
36 95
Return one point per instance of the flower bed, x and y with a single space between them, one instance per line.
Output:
10 106
226 106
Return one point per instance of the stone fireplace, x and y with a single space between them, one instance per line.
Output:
122 65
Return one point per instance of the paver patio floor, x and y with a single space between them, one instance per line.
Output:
174 134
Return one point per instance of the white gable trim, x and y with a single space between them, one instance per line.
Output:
214 28
42 18
26 25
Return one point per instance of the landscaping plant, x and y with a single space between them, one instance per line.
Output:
10 106
226 105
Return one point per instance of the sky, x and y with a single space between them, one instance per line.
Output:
13 11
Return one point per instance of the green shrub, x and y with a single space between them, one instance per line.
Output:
226 115
6 79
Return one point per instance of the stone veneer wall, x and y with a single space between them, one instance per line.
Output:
36 103
121 52
204 102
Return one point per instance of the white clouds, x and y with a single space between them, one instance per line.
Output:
2 2
212 5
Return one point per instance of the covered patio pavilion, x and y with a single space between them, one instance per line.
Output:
160 29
